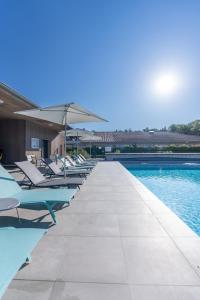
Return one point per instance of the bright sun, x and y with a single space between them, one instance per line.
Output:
166 84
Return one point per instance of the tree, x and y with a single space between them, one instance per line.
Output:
173 128
164 128
190 128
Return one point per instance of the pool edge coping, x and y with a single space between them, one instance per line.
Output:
151 200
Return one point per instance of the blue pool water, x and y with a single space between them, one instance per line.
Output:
177 186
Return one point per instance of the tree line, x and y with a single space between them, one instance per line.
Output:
190 128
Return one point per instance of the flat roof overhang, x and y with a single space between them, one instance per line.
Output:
11 101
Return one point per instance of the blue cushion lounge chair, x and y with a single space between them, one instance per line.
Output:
16 247
47 197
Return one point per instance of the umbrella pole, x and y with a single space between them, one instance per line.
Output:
77 144
65 144
90 149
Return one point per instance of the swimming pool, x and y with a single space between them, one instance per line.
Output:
178 186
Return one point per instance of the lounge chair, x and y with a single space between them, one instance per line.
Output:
84 161
66 162
83 157
56 170
37 179
48 197
81 161
77 164
30 157
16 247
87 159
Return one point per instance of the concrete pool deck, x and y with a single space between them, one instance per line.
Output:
116 241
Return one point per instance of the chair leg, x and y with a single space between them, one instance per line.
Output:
18 215
28 259
50 209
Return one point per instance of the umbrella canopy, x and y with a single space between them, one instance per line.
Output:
77 133
90 138
63 114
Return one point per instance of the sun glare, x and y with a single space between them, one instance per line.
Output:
166 84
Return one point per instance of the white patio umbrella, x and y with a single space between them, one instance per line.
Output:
78 132
64 114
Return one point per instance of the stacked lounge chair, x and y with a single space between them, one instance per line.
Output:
68 163
56 171
85 162
87 159
78 164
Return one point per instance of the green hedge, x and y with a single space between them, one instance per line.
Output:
100 151
170 148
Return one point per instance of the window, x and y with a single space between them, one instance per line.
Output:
35 143
108 149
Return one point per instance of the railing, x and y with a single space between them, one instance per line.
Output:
153 156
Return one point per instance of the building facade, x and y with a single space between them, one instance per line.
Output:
109 141
20 135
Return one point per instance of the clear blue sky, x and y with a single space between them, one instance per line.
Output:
103 54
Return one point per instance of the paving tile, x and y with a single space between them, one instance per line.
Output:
131 207
156 206
31 290
190 247
165 293
92 195
93 259
111 182
107 189
96 189
90 206
86 225
90 291
175 226
106 207
157 261
140 225
46 260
